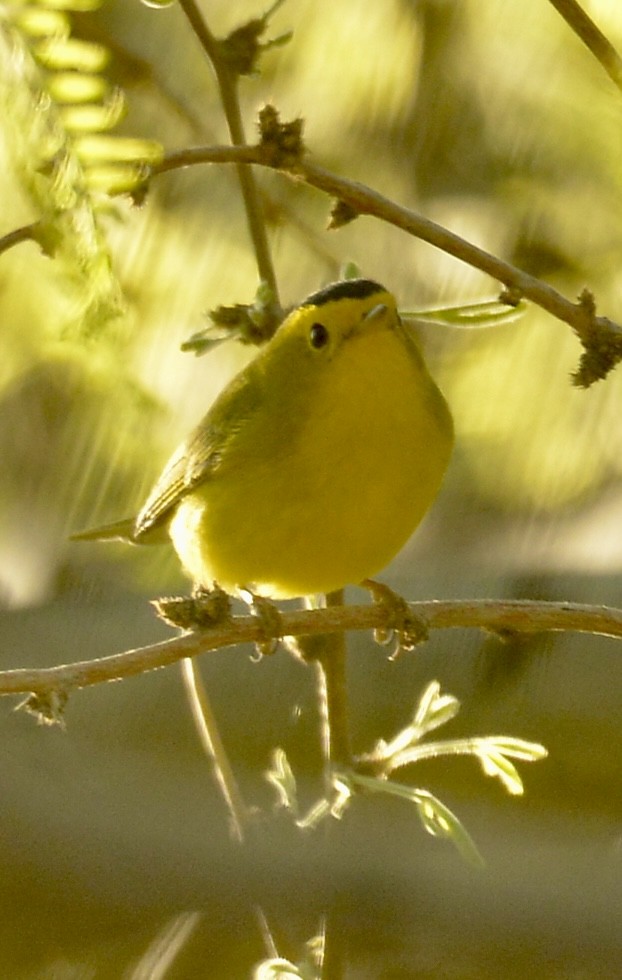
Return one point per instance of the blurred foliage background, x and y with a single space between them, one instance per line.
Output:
490 117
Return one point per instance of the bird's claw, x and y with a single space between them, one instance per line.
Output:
402 627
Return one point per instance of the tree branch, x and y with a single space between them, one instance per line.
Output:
593 38
497 616
227 85
27 233
600 336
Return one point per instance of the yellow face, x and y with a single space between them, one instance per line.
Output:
331 317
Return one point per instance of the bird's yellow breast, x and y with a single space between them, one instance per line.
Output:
339 500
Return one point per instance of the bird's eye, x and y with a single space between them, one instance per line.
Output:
318 335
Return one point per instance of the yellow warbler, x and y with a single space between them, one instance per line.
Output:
315 464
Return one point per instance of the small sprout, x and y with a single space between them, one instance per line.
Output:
249 323
318 812
281 143
494 754
470 316
242 48
341 214
276 969
434 708
370 776
280 775
341 797
602 347
495 764
309 968
48 708
203 610
350 270
204 341
333 806
440 821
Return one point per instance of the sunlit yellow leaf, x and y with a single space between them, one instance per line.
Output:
96 148
59 54
280 775
76 87
273 969
94 118
440 821
115 178
43 23
496 765
77 5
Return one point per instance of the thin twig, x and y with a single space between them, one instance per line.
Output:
332 697
593 38
326 652
207 729
27 233
364 200
496 616
331 666
227 85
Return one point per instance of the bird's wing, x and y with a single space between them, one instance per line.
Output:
201 455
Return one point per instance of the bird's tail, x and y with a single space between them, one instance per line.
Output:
118 531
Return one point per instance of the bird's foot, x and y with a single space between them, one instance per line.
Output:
270 620
402 627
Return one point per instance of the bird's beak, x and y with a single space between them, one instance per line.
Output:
376 312
376 318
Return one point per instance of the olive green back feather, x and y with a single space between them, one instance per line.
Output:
199 457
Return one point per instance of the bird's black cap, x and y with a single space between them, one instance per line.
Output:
346 289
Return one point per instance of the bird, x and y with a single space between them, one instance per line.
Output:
314 465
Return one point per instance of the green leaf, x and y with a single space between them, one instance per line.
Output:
440 821
277 969
434 708
280 775
495 764
469 316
